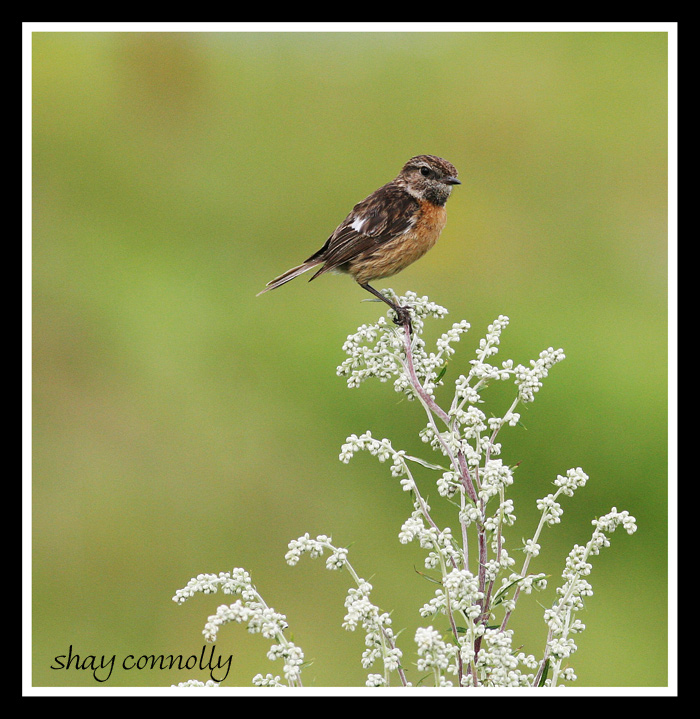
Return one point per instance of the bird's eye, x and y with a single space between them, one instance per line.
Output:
424 171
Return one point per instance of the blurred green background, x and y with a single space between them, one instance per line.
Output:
184 425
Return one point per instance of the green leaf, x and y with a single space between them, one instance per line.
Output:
427 576
501 592
423 463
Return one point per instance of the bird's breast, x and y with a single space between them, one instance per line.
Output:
399 252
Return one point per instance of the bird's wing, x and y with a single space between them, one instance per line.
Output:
385 214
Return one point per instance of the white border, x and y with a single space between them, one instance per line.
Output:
31 27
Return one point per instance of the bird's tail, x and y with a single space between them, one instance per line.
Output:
290 275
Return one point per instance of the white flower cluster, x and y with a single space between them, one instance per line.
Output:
494 665
259 618
235 582
374 351
524 583
561 617
495 478
252 611
550 508
267 681
488 347
375 680
440 543
293 658
460 593
497 665
379 636
378 350
315 547
377 627
478 587
435 654
380 448
195 683
574 479
476 476
529 379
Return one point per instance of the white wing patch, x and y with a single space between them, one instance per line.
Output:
357 224
411 222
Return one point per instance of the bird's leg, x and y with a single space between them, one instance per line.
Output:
403 315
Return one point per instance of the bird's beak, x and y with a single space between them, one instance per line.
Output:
451 181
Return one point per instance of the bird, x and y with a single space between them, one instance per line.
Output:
387 231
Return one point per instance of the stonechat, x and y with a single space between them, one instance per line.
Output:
387 231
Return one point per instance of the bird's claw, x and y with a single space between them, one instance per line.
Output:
403 317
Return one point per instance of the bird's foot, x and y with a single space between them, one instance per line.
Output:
403 317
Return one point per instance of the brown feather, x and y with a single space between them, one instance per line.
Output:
289 275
